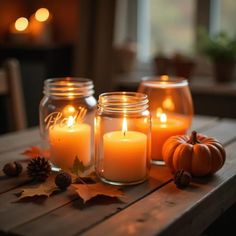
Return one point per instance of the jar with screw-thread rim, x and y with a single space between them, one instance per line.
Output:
67 120
122 138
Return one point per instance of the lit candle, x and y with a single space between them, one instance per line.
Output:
164 126
19 32
125 155
40 26
68 140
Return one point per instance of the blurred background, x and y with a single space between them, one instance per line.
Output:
116 43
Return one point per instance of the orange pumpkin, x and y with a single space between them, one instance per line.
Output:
198 154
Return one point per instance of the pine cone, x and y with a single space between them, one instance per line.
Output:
39 169
182 178
63 180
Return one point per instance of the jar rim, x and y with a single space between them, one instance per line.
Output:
134 94
123 101
68 79
164 81
71 86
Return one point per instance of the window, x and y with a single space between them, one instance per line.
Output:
169 26
165 27
227 16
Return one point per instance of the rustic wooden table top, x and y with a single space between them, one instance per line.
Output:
156 206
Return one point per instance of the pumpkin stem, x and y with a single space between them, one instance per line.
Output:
193 138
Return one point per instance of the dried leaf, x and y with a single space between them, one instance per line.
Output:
35 151
44 189
89 172
80 169
77 167
88 191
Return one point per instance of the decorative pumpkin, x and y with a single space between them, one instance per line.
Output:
198 154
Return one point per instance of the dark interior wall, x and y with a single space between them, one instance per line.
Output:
64 12
9 12
39 62
65 17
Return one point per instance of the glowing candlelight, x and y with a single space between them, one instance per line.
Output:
69 139
125 155
42 14
21 24
164 126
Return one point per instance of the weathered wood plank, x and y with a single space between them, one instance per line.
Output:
9 142
225 131
73 214
67 218
203 122
14 155
171 211
8 183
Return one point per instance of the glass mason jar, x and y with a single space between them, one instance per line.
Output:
67 120
171 110
122 138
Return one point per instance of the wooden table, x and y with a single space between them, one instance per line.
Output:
154 207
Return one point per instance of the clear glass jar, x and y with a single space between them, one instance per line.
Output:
171 110
122 138
67 120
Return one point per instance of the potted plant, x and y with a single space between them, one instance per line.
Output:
183 65
221 49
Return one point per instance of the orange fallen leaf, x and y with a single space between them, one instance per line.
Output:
43 189
88 191
35 151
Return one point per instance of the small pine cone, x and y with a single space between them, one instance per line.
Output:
63 180
39 169
12 169
182 178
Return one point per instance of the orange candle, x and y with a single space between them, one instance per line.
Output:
164 126
68 142
125 155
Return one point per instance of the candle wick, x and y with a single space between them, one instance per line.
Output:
124 133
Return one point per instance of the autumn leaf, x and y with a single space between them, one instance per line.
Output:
80 169
35 151
77 167
88 191
43 189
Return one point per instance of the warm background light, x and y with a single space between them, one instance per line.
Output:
21 24
42 14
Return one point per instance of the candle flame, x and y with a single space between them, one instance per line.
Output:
124 126
161 115
159 112
163 118
21 24
70 121
42 14
164 78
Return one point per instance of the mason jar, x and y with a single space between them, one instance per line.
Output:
67 120
122 138
171 110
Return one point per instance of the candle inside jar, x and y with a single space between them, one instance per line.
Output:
69 141
125 155
163 127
